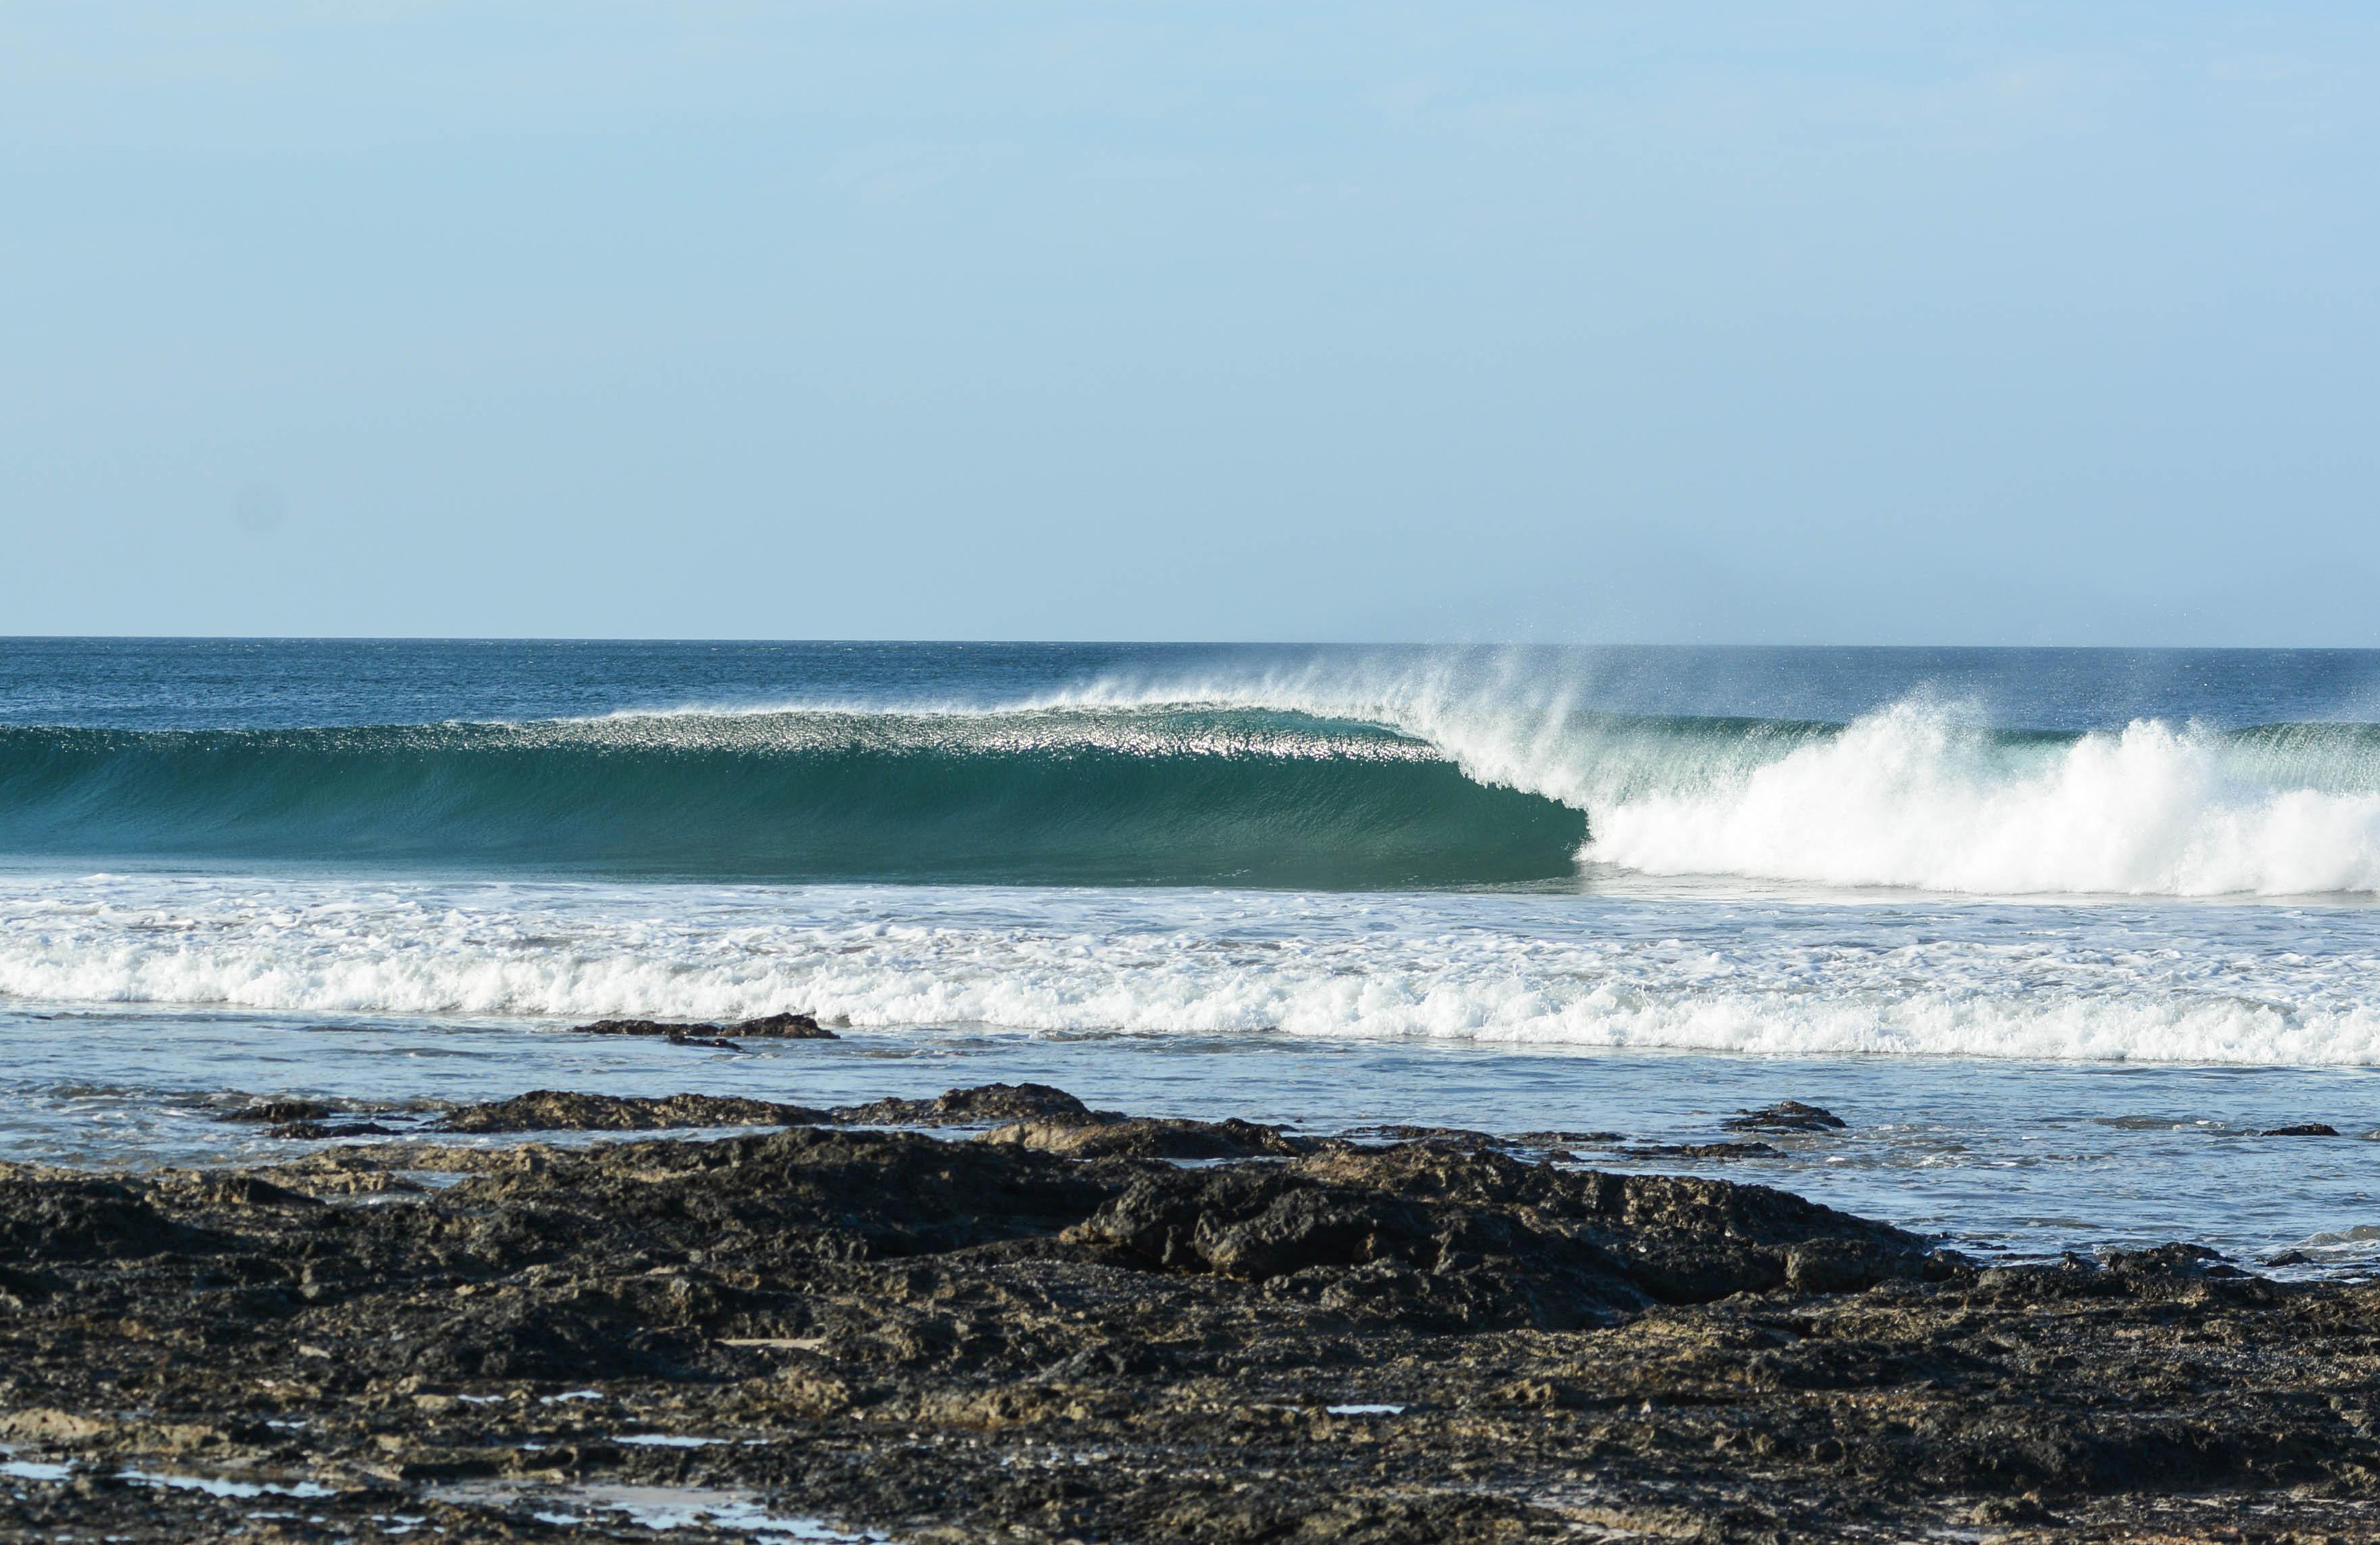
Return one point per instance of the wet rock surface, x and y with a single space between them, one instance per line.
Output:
1146 1138
1699 1151
983 1103
1049 1327
1786 1115
774 1026
559 1111
283 1112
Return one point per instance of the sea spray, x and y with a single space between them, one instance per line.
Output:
1912 797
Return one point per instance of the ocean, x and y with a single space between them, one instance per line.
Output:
2059 932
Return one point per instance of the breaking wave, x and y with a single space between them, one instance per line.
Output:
1912 798
1409 780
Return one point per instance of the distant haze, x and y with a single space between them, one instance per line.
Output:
1776 321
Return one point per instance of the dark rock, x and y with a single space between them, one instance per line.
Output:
945 1340
281 1113
1458 1137
1846 1264
969 1107
1510 1244
1702 1150
2025 1509
2304 1129
236 1189
1144 1138
640 1027
1787 1115
780 1027
558 1110
317 1131
19 1288
774 1026
530 1333
2186 1262
52 1220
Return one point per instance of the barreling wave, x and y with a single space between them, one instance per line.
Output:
1050 797
1407 780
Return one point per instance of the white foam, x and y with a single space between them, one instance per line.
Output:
1912 798
2174 983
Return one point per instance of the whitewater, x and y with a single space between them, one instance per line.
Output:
1743 975
2056 930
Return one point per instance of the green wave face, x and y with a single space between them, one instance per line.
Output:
1159 795
1064 797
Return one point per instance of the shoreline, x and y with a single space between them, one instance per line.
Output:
999 1310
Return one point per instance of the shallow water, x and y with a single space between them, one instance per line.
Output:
2026 1157
658 1508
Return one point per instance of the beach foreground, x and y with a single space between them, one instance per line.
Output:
1000 1314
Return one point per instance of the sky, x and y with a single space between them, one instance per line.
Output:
1781 322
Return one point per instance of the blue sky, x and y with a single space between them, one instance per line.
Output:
1834 322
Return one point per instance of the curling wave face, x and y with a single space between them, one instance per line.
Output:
1344 778
1049 796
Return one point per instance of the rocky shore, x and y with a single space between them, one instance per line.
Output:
999 1315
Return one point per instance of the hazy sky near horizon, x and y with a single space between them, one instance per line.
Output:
1798 321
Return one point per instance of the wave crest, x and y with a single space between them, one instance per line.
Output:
1913 797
